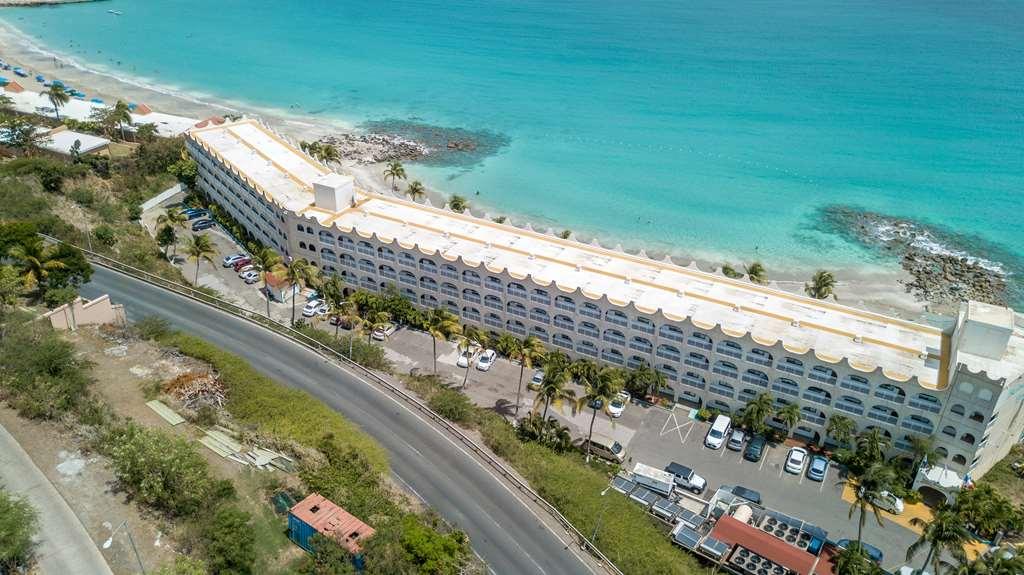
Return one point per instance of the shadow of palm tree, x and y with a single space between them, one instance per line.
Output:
505 408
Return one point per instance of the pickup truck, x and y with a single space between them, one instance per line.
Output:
686 478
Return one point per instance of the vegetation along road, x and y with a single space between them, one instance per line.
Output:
507 534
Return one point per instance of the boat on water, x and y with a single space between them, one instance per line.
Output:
115 12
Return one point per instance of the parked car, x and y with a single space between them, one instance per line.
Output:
241 264
719 429
755 448
203 225
313 294
341 321
818 468
888 502
245 269
796 460
486 359
740 491
687 478
618 404
465 356
309 310
383 332
231 260
874 553
250 276
536 380
604 447
194 214
736 439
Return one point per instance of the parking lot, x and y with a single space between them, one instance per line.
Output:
675 436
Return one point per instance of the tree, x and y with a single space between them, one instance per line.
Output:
57 96
987 512
853 561
146 132
36 260
564 234
870 448
18 525
526 351
228 541
11 286
867 489
416 191
377 320
924 451
552 390
1004 560
396 171
598 393
297 271
105 235
441 324
458 204
841 428
6 103
821 285
266 262
730 272
756 412
471 336
945 533
328 558
120 115
507 345
644 380
185 170
21 134
184 566
165 238
757 273
327 153
176 219
198 249
789 415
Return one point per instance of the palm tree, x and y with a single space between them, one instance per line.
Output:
376 320
442 324
58 96
867 489
507 345
757 273
598 393
36 260
266 262
789 415
945 533
821 285
416 191
924 451
583 371
645 380
458 204
395 171
471 336
870 447
853 561
552 390
176 219
756 412
297 271
328 154
1000 561
199 248
840 428
527 351
120 115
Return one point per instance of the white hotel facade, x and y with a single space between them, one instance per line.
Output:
719 341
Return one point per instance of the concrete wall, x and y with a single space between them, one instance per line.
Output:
82 312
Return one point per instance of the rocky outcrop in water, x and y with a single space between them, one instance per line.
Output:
374 148
945 267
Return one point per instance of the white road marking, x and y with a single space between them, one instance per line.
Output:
764 457
688 430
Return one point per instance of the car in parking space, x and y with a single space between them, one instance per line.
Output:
231 260
536 380
796 459
736 439
874 553
740 491
618 404
250 277
382 332
241 264
309 310
341 321
604 447
687 478
486 359
245 269
888 502
755 448
718 431
465 356
203 225
195 214
818 468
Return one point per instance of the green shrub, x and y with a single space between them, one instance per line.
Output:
228 542
183 565
18 525
46 383
452 405
363 352
257 400
105 235
83 196
416 544
349 479
162 471
55 297
327 558
152 327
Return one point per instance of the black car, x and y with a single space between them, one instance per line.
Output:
203 225
196 214
755 448
748 494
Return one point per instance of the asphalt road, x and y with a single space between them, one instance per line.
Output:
506 533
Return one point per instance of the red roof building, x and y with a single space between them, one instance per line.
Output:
324 517
734 532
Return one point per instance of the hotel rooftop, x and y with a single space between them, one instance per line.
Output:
902 349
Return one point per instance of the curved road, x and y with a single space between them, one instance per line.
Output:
506 533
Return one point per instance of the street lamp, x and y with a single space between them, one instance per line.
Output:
600 518
110 541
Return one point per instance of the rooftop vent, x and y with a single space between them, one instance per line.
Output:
858 339
795 323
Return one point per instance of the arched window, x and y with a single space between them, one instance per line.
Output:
540 296
302 245
817 395
855 383
890 392
965 388
949 430
926 402
641 344
756 377
959 459
564 302
515 326
957 409
643 325
471 295
700 340
967 438
449 271
759 356
791 365
540 314
471 277
386 254
941 453
978 417
516 289
786 386
616 317
516 308
730 348
428 265
428 283
918 423
586 347
614 336
589 329
540 333
694 359
985 394
613 355
725 368
883 413
494 302
428 300
823 374
669 352
670 332
565 322
561 340
471 313
407 277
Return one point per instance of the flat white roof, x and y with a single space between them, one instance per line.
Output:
62 141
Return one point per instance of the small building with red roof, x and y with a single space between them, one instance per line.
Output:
317 514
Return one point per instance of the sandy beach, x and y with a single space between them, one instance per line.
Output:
870 287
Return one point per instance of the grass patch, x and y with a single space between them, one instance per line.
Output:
1003 479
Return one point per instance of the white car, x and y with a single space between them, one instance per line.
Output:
486 360
536 381
465 357
311 307
796 460
250 276
618 404
246 268
889 502
230 260
384 332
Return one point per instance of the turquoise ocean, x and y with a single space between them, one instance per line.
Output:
707 128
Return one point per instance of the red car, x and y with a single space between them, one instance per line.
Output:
242 263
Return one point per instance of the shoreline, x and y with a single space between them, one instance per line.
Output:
871 285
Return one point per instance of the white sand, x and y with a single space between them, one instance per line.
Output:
869 287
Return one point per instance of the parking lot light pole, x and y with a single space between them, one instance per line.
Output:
600 518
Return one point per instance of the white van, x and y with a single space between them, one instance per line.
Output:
605 447
718 432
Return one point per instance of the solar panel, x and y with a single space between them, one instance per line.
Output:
623 485
714 547
686 537
666 509
644 496
689 518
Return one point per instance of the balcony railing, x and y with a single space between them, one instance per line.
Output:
759 359
539 317
890 397
496 286
882 417
516 292
692 381
728 351
817 398
471 297
589 332
586 350
590 312
564 344
614 339
471 315
386 257
855 386
694 363
790 368
564 305
517 311
917 426
429 286
366 250
428 267
670 355
903 445
493 322
812 419
643 328
785 390
446 273
850 408
407 280
368 268
493 304
540 299
616 359
616 320
672 336
407 262
449 291
392 274
561 323
725 371
699 343
471 280
822 377
723 391
925 405
643 347
516 329
753 380
347 246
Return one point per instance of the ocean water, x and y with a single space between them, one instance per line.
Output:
706 128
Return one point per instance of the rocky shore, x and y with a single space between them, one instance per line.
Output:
944 268
375 148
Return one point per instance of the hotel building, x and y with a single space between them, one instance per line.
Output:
719 341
